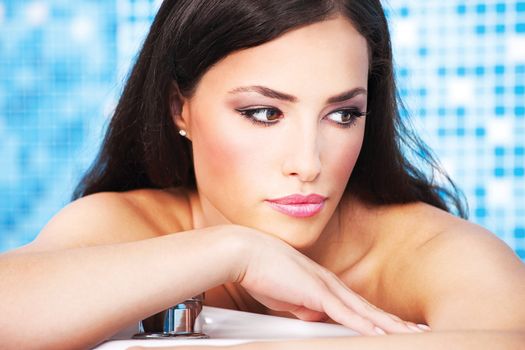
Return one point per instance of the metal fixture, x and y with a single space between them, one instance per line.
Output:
181 320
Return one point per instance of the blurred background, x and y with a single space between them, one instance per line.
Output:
460 68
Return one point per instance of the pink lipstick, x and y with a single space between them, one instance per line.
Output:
297 205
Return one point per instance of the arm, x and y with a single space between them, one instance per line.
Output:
468 279
471 340
75 296
471 287
474 340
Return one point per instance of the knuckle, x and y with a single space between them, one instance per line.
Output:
327 274
316 297
363 308
364 325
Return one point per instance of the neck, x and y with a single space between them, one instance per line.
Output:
347 238
204 214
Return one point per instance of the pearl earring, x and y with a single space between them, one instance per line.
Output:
182 132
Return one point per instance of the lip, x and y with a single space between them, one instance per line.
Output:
299 199
297 205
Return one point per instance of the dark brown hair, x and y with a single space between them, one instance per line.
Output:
142 149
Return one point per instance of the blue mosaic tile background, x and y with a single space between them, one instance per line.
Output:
460 67
57 82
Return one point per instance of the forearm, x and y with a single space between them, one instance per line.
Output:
77 297
471 339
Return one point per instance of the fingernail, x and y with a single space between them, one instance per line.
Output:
424 327
379 331
414 328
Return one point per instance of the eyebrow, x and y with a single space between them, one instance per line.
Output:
265 91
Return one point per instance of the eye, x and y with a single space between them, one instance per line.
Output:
346 117
261 115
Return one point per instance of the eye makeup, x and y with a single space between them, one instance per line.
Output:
251 114
349 116
271 115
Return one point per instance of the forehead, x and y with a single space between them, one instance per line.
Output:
328 52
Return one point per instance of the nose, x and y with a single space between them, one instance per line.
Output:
303 157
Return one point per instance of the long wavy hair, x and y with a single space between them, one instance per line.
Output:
142 149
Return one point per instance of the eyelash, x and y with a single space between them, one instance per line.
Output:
249 112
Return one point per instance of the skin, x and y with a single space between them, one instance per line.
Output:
305 152
312 148
471 298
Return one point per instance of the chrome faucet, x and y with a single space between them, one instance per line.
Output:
181 320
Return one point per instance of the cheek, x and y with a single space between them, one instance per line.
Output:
340 160
222 155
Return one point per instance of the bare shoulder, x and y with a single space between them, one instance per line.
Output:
455 274
113 217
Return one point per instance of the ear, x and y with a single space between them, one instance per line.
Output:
179 109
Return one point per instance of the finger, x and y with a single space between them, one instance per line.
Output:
321 299
306 314
388 322
344 315
299 311
178 347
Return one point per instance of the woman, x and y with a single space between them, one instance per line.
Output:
256 154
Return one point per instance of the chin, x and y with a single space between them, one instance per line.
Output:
298 233
300 239
302 246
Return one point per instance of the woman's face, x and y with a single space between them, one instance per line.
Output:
279 119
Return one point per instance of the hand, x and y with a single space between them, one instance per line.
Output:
283 279
178 347
193 347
